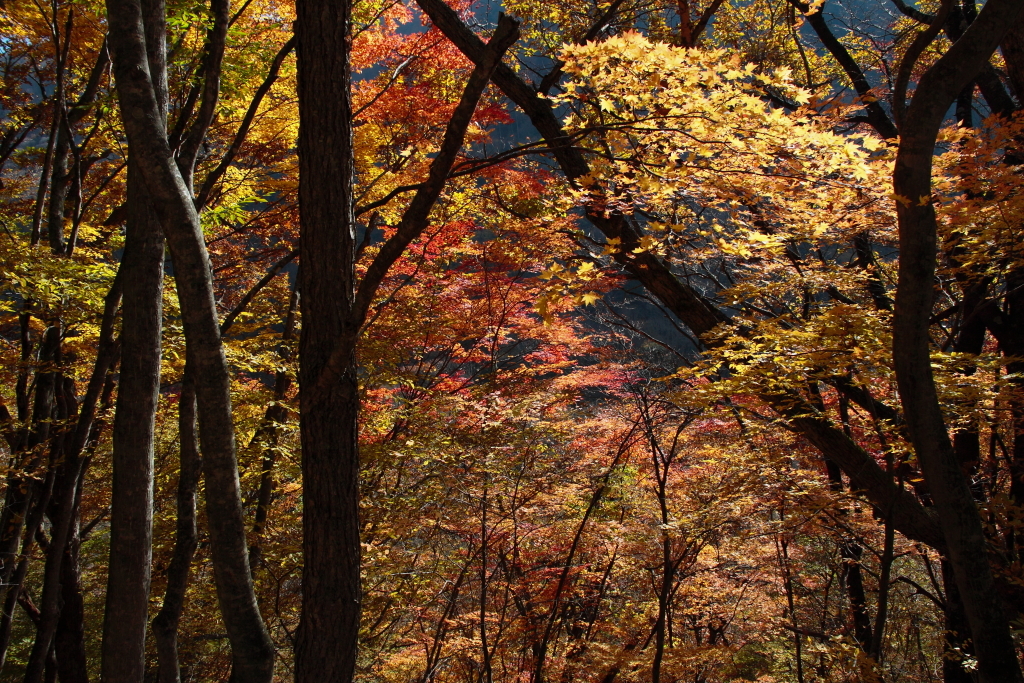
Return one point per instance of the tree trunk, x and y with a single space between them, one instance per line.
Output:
961 523
61 514
269 433
131 517
333 311
957 641
28 494
69 639
138 92
328 633
186 540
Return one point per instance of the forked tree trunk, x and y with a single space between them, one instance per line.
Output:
959 517
139 97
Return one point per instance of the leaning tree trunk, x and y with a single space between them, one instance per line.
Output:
958 515
251 648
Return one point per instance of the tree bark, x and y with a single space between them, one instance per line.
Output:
186 539
69 639
333 311
251 648
61 514
961 523
131 517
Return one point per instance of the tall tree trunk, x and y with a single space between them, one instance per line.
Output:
333 312
251 648
961 523
131 517
328 634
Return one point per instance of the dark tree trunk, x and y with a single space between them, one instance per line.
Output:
62 174
971 340
333 311
958 514
326 645
26 504
850 574
1012 47
957 641
69 639
1010 334
251 648
62 512
165 624
131 517
268 434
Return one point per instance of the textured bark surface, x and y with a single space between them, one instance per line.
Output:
333 311
131 516
251 648
328 633
961 524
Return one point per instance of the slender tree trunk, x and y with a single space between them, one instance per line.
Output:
27 502
186 540
269 433
851 575
59 184
251 648
69 639
1011 344
62 512
131 517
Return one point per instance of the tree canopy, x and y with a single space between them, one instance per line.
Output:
546 342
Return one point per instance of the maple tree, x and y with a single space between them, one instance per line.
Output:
709 372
